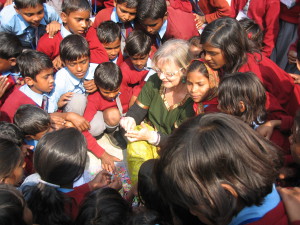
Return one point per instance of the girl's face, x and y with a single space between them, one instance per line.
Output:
214 56
170 74
16 176
197 85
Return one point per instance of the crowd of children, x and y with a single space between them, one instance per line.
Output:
201 96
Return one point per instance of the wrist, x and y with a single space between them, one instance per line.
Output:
154 138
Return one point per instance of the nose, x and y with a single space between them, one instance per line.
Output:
78 67
207 57
51 79
85 24
126 16
149 29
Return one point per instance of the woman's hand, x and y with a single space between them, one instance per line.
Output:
143 134
128 123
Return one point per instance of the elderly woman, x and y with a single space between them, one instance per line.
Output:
164 102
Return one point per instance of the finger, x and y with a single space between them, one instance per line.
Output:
116 159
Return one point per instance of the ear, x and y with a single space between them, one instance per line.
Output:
298 64
230 189
165 16
63 17
242 106
12 61
29 81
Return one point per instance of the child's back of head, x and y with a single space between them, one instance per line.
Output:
254 32
151 9
145 217
13 208
64 153
31 63
11 132
22 4
104 207
195 46
33 121
108 76
11 162
108 32
74 47
138 43
243 95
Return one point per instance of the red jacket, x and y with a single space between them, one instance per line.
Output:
97 103
132 78
50 46
212 9
266 14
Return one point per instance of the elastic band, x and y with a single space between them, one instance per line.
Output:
49 184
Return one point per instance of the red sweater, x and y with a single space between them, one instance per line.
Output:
266 14
133 78
290 15
103 3
12 103
102 15
209 106
50 46
212 9
97 103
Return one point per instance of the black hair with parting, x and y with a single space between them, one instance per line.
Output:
108 76
31 119
108 31
10 46
73 47
138 43
32 62
151 9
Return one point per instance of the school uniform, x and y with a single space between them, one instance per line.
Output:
50 46
209 106
12 79
13 23
287 35
65 82
100 4
94 114
266 14
133 78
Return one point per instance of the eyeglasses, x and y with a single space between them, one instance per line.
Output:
167 74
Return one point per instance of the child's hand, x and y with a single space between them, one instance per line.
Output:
52 28
90 86
57 122
139 135
57 63
63 100
25 148
79 122
296 78
102 179
291 201
107 161
8 2
116 183
3 85
292 56
267 128
200 20
128 123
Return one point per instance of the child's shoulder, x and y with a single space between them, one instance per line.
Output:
9 16
103 15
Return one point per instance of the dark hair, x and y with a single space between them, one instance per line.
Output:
138 43
69 6
245 87
12 205
145 217
108 76
108 31
195 40
32 62
129 3
254 32
11 132
31 119
296 130
148 192
151 9
21 4
104 207
198 66
227 34
11 157
212 150
10 46
73 47
60 159
298 50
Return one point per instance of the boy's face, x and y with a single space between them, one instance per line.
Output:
112 48
32 15
39 135
43 83
78 67
125 14
77 22
7 64
139 61
152 26
109 95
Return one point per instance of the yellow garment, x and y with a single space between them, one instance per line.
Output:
137 153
